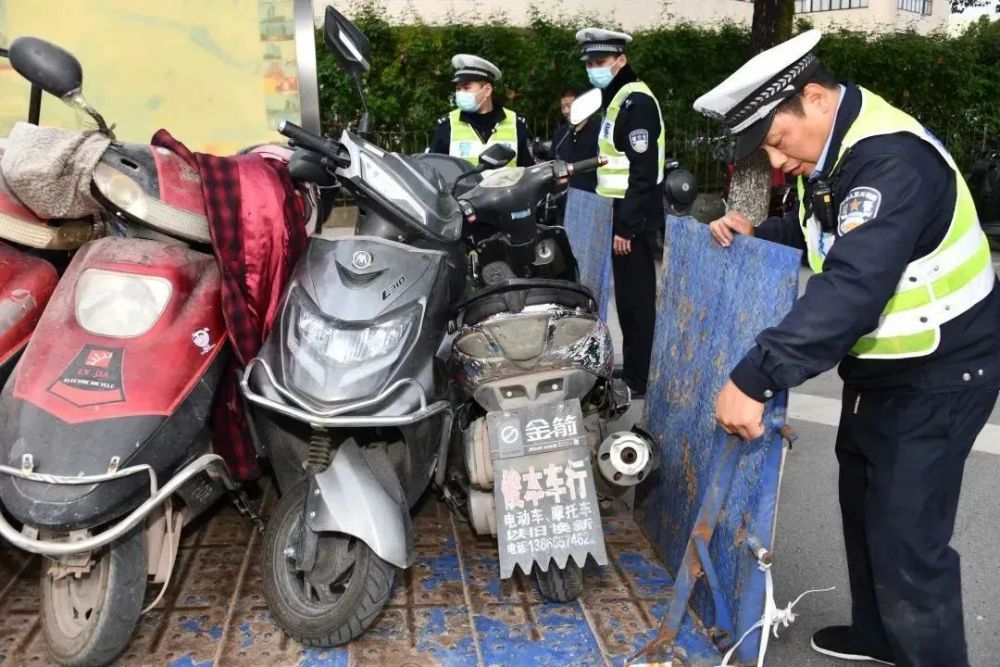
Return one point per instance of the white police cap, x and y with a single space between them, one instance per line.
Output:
747 101
474 68
597 42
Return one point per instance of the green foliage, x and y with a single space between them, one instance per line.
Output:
952 85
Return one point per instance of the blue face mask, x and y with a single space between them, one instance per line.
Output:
601 77
466 101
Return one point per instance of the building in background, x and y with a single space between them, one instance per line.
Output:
923 16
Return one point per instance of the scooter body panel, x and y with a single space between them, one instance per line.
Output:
356 282
80 376
82 396
26 284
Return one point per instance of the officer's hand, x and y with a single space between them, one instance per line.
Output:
739 414
622 245
723 228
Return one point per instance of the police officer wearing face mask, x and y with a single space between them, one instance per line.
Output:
478 123
631 137
905 299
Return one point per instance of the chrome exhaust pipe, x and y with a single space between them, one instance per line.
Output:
624 460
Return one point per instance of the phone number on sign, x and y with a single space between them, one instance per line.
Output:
551 543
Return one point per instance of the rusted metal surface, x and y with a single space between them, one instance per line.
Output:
450 608
712 495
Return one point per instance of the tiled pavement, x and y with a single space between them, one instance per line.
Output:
450 608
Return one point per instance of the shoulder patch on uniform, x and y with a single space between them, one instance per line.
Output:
639 140
860 206
442 120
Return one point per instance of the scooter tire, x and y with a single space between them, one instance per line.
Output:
108 628
314 622
560 584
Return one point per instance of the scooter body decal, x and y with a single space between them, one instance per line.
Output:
94 377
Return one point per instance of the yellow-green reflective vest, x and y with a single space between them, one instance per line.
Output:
465 142
612 178
934 289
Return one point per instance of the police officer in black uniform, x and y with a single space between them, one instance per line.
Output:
905 299
480 120
631 137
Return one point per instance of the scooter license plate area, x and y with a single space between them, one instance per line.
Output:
543 487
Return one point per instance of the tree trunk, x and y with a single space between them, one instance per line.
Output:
750 189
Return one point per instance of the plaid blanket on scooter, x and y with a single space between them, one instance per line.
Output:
257 221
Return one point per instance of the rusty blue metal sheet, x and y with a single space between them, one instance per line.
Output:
712 303
588 226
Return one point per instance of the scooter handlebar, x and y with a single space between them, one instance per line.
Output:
587 165
315 143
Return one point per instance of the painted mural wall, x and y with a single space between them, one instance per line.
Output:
218 75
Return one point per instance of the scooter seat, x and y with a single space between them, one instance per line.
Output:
513 296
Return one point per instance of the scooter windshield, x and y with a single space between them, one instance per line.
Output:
413 188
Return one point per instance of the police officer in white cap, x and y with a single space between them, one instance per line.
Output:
479 122
906 301
632 139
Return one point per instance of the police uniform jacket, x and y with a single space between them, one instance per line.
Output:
573 145
483 124
642 208
917 192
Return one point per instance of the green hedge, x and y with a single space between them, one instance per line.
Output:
951 84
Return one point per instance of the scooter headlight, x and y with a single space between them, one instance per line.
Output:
345 346
334 361
121 305
125 194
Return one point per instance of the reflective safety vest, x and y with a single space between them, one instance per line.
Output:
465 141
612 178
933 289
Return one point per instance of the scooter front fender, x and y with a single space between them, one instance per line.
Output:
360 495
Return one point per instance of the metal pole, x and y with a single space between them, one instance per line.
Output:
35 105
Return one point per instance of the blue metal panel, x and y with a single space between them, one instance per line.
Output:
712 303
588 226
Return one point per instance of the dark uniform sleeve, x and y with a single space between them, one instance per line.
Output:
441 141
525 156
639 113
860 274
784 229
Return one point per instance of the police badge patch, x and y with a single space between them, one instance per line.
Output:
860 206
639 140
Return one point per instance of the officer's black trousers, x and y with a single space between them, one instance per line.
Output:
901 461
635 296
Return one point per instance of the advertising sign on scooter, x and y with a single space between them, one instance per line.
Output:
543 487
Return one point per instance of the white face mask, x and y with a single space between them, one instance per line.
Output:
467 101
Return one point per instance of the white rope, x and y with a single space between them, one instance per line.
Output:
772 619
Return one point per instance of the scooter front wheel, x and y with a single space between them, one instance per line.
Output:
89 619
560 584
338 597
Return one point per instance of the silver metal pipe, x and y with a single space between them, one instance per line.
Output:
82 480
349 420
61 548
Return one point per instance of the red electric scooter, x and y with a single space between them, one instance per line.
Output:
105 451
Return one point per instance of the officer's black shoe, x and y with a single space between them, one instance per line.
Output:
839 641
637 388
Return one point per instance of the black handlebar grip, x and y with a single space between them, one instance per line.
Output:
587 165
313 142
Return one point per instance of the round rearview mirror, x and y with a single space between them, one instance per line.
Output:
50 67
